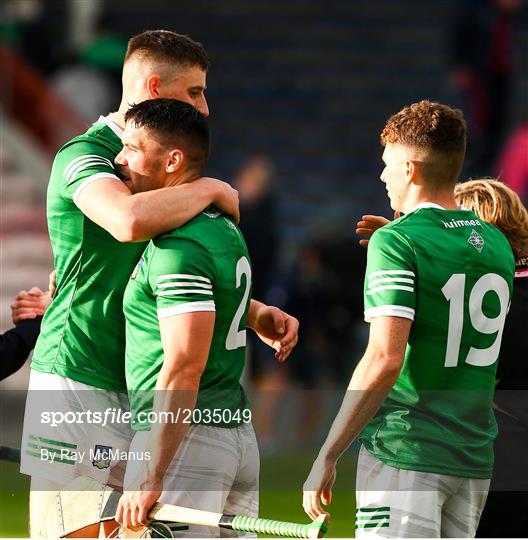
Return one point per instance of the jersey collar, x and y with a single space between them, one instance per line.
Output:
433 205
427 205
112 125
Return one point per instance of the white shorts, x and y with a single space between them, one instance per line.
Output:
81 444
396 503
215 469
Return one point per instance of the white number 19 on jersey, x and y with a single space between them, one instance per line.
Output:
454 292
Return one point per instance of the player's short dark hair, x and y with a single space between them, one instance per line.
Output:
174 123
164 45
436 128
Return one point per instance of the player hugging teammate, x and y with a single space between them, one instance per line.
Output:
437 289
98 230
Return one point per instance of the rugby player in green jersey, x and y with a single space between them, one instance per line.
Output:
186 306
437 289
97 230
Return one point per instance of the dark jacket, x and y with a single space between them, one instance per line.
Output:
16 344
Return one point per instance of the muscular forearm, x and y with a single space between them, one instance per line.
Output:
371 382
174 394
154 212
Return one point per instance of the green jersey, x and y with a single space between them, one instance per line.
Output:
202 266
83 331
452 274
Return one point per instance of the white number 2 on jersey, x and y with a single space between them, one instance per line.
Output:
454 292
237 338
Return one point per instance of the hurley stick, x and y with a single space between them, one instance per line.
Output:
168 512
86 501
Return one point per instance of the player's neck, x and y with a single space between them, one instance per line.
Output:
180 179
118 118
445 199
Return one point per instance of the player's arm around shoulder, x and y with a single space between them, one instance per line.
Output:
85 174
134 217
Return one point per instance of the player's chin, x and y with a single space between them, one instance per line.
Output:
394 206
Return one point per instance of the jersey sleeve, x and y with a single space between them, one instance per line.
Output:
181 276
81 163
390 278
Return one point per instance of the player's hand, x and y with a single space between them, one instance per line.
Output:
133 508
318 487
226 198
29 304
52 283
275 328
369 224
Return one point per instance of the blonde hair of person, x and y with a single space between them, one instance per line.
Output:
494 202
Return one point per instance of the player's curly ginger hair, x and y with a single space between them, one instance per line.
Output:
499 205
428 125
436 129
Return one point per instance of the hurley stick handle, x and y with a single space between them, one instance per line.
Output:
316 529
181 514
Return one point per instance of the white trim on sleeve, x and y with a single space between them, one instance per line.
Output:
182 276
90 180
85 162
111 124
390 272
184 284
189 307
389 311
174 292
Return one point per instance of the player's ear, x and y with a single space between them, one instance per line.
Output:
153 87
175 161
411 170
